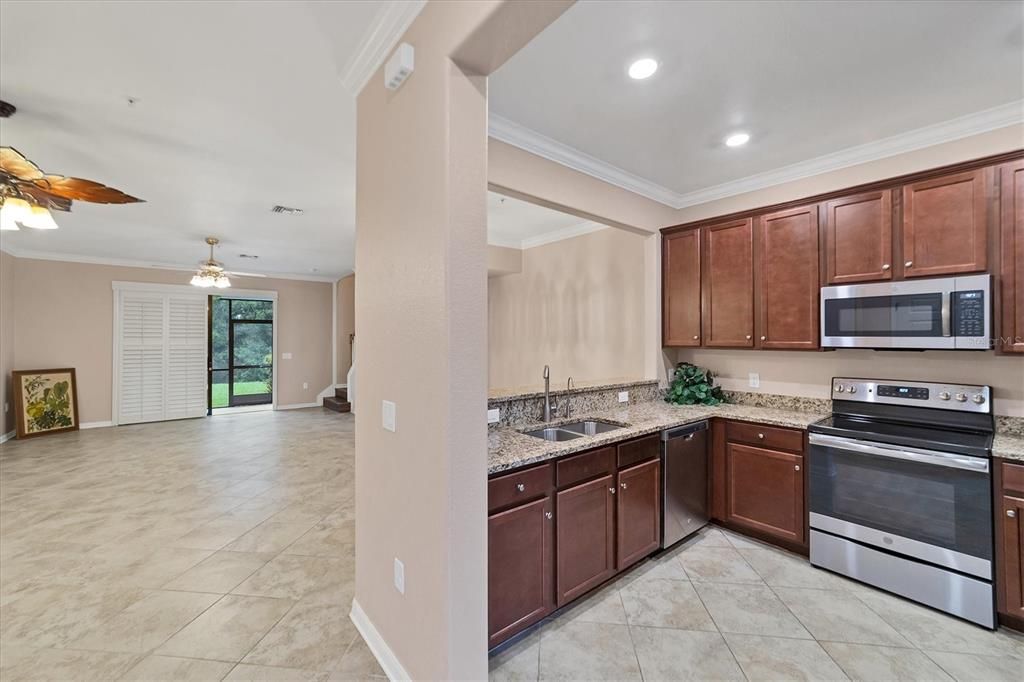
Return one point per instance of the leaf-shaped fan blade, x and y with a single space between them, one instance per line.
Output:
78 189
50 201
17 166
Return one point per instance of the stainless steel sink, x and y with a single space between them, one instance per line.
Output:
591 427
553 434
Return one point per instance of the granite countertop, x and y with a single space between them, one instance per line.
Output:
507 448
1008 446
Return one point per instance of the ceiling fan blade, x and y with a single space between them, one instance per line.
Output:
79 189
17 166
53 203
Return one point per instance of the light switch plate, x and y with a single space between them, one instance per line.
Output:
623 396
755 380
388 415
286 356
493 416
399 576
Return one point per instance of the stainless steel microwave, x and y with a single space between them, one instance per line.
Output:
952 313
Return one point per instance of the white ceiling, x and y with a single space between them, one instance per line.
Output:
521 225
805 79
241 106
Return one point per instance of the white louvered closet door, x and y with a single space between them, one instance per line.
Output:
186 357
162 357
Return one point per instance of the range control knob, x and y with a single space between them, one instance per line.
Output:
944 395
978 398
839 388
851 388
962 397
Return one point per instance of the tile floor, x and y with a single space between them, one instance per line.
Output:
192 550
724 607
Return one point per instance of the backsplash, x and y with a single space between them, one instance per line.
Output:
529 407
1011 426
779 402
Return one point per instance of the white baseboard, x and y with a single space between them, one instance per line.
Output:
298 406
7 436
94 425
378 647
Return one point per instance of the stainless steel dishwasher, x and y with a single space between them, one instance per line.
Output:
684 481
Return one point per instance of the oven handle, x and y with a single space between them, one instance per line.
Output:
942 459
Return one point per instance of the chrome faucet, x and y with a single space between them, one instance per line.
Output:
568 395
547 393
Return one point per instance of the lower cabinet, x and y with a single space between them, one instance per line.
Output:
638 513
521 549
586 537
1010 543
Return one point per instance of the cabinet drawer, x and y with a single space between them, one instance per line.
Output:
519 486
1013 477
582 467
647 447
765 436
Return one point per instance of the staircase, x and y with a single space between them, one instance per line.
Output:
339 403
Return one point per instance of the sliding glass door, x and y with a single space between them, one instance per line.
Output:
241 352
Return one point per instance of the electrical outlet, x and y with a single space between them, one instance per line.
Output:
493 416
399 576
388 415
755 380
623 396
286 356
305 386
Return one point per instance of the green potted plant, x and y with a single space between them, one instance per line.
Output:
693 385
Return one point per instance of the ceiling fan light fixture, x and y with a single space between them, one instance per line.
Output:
12 212
210 272
39 219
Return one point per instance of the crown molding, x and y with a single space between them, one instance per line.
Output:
558 235
505 243
391 22
979 122
147 265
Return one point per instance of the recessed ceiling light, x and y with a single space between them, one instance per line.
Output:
737 140
642 68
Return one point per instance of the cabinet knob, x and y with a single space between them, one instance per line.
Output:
748 337
1012 513
695 337
761 436
548 515
623 486
764 338
612 490
909 264
520 487
796 467
885 266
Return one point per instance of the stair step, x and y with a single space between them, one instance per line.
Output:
337 405
341 393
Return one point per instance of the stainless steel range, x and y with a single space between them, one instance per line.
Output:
901 491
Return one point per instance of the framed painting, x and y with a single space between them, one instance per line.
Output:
45 401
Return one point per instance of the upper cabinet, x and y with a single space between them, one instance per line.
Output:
858 238
787 279
681 289
728 284
945 225
1011 264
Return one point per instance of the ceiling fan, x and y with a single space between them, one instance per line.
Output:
211 273
27 194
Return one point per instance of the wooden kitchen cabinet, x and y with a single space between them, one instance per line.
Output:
858 238
681 289
638 513
1011 265
787 279
765 491
1009 526
585 535
727 284
945 225
520 575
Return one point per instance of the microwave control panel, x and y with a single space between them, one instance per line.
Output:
969 313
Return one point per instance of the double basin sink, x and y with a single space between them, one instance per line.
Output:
589 427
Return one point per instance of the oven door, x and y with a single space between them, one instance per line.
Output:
933 506
888 315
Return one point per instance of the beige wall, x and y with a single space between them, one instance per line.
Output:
64 318
502 260
7 359
577 305
346 324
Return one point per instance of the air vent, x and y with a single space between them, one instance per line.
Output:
287 210
247 255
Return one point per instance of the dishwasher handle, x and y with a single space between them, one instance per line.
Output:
686 431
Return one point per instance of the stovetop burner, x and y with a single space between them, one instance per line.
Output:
978 444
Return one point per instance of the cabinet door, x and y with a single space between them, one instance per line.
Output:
728 285
586 537
1011 267
787 279
520 568
945 225
858 238
765 491
638 517
1013 556
681 289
